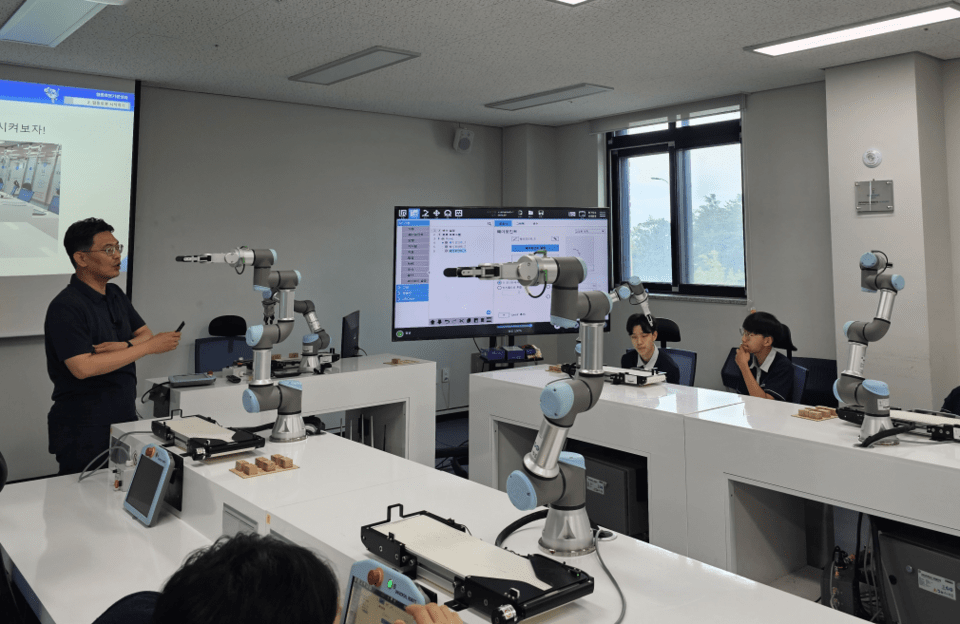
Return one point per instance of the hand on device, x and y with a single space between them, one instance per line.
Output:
163 342
106 347
432 614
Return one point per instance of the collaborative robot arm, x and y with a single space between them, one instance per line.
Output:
277 289
549 475
869 396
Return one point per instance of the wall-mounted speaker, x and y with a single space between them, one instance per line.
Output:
463 141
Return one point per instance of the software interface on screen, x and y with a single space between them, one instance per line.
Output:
367 605
429 240
65 155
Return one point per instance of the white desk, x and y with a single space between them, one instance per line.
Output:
85 540
399 400
646 421
743 466
76 550
750 467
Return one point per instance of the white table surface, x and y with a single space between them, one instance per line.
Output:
647 421
80 551
351 384
759 442
660 586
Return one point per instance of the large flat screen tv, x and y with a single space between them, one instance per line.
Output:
427 240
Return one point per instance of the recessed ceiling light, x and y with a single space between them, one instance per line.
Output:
48 22
549 97
880 26
571 2
354 65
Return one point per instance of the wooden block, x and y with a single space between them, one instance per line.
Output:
804 413
276 357
293 356
283 462
263 462
240 464
250 469
395 361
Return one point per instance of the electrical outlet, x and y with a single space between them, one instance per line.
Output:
444 375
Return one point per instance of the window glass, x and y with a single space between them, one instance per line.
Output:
646 196
699 121
715 203
644 129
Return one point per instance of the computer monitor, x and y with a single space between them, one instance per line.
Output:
429 306
350 335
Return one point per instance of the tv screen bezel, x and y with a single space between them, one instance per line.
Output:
483 330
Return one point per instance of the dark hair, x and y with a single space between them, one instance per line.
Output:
762 323
79 236
250 579
641 320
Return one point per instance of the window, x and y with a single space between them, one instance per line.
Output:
677 194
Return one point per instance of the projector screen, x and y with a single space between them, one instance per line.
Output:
66 153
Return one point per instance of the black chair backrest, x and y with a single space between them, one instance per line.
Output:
821 373
229 325
785 341
667 331
3 472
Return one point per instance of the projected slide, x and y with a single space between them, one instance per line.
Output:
65 155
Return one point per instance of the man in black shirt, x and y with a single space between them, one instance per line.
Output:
764 373
92 337
646 355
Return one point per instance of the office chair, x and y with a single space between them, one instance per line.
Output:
687 363
3 472
799 383
785 342
54 206
25 194
821 373
225 346
669 331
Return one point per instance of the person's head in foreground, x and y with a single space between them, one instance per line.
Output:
251 579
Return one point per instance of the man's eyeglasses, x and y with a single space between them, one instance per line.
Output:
109 250
745 334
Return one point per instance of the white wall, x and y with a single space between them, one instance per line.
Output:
788 231
894 105
318 185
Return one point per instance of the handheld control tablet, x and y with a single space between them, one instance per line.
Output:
377 594
149 485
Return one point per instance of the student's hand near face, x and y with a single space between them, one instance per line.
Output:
432 614
743 357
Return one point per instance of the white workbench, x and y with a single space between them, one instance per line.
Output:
750 466
77 552
400 401
505 415
728 475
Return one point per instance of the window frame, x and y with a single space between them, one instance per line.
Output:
675 141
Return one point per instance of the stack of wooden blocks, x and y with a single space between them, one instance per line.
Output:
819 412
262 465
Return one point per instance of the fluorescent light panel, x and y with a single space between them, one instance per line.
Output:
549 97
48 22
571 2
883 25
354 65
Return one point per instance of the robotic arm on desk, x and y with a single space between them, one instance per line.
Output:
549 475
277 291
869 396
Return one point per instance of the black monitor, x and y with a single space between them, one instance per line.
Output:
350 335
427 305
